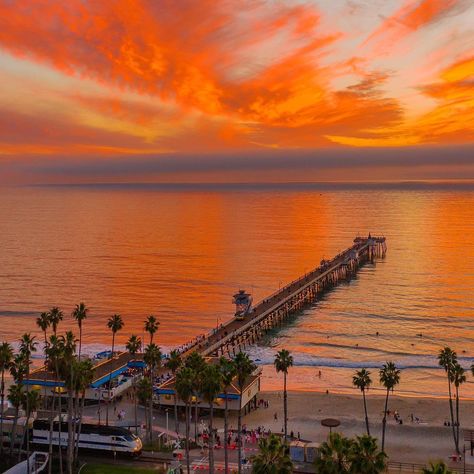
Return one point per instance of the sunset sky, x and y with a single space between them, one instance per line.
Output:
234 90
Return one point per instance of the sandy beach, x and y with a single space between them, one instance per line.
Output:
409 442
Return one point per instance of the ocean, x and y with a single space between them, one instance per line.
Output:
181 251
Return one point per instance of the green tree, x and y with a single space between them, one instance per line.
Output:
115 324
244 368
6 360
27 347
366 457
335 455
458 377
228 373
174 363
447 359
152 359
133 345
196 363
210 389
80 314
362 381
438 467
272 457
29 403
15 397
389 378
43 322
151 326
184 388
283 361
55 317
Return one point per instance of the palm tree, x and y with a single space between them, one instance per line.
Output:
196 363
366 456
210 389
55 316
43 322
437 468
335 455
244 368
447 358
458 377
79 314
15 397
84 377
30 403
133 346
362 381
283 361
174 363
152 359
228 374
184 388
27 347
389 378
272 458
115 324
6 358
151 326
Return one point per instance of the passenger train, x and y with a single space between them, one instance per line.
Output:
99 438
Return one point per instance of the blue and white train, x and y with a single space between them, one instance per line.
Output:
99 438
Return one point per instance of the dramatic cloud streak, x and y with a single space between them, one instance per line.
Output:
114 78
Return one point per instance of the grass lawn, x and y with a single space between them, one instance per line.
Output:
94 468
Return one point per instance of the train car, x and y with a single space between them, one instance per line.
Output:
98 438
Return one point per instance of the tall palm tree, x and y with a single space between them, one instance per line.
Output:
152 357
151 326
115 324
85 376
437 468
362 381
79 314
458 377
15 397
133 345
244 367
174 363
43 322
228 373
389 378
272 458
30 403
447 358
366 456
6 359
335 455
55 316
283 361
196 363
184 388
27 347
210 389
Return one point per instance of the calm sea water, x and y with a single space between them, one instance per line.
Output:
180 252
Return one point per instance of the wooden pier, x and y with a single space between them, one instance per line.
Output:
272 312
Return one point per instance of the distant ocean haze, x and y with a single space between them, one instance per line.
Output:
181 252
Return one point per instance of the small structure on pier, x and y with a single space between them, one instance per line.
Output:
243 304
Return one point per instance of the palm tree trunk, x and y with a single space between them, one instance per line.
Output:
150 407
2 397
51 423
211 440
365 411
70 438
285 406
13 437
83 397
60 423
135 405
80 342
239 434
457 420
226 429
110 379
196 420
188 464
27 418
176 422
45 366
384 420
451 410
